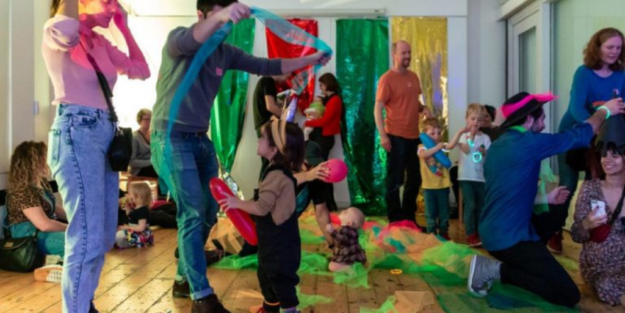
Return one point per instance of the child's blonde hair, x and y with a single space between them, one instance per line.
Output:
141 191
430 123
475 108
358 216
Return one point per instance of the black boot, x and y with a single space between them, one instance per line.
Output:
181 290
208 304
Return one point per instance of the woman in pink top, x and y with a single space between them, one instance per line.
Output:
82 132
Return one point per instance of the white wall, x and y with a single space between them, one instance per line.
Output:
17 69
5 146
487 53
43 88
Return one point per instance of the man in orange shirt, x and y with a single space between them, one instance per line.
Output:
398 92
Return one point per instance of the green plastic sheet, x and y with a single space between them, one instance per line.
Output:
309 301
312 263
443 266
228 115
362 56
387 307
353 277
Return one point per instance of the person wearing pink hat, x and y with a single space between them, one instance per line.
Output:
509 230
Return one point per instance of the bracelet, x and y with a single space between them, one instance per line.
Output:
607 111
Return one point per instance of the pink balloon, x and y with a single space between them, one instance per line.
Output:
338 171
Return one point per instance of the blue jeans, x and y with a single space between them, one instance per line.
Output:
48 243
192 165
569 177
77 154
437 210
473 200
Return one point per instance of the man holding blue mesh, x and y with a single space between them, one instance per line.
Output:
193 162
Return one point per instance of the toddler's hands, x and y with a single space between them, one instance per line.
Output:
320 171
229 202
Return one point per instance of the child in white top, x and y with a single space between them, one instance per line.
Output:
473 146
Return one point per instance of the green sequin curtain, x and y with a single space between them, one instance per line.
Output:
362 56
229 108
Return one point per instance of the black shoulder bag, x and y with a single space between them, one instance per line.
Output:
120 150
20 254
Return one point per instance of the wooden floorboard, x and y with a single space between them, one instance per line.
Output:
140 280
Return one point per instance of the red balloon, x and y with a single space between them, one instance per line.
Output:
338 171
240 219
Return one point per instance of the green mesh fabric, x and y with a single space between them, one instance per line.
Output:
443 265
313 263
506 297
452 257
387 307
309 237
354 276
307 301
235 262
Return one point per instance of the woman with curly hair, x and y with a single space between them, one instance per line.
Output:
599 80
31 206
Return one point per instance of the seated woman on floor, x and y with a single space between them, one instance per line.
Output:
140 161
600 219
31 206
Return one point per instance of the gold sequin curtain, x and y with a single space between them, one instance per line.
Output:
427 37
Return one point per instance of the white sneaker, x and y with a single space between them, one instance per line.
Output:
49 273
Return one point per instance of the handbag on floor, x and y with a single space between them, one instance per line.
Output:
120 150
20 254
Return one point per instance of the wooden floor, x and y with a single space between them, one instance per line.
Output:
140 280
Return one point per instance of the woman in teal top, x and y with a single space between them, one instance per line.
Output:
599 80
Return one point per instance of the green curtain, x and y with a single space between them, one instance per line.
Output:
229 108
362 56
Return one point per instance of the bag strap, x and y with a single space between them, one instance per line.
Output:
104 85
145 138
619 207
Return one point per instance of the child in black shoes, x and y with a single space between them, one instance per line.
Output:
273 208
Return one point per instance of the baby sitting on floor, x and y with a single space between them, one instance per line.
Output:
347 250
